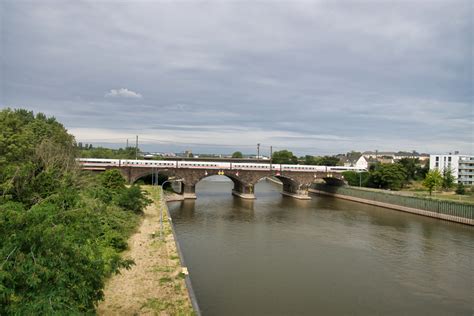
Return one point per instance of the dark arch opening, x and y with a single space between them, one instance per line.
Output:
289 185
158 177
151 178
334 181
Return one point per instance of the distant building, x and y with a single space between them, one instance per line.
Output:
424 157
378 154
462 166
168 155
412 155
392 157
360 162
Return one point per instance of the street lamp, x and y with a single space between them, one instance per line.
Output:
360 177
161 208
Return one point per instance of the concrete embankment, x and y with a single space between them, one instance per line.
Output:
172 197
445 213
158 282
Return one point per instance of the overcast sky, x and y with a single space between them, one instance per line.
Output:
315 77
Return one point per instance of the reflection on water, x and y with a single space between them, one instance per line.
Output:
281 256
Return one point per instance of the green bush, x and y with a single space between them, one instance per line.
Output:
61 230
112 179
356 178
460 189
132 198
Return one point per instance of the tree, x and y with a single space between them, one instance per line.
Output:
284 157
326 161
356 178
421 171
112 179
237 154
460 189
448 179
388 176
433 180
28 147
410 165
102 152
309 160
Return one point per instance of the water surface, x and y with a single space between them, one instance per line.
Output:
281 256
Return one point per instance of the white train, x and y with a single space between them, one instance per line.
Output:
165 164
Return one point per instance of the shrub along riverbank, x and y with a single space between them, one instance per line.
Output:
61 230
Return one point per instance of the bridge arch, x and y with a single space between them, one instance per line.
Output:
242 188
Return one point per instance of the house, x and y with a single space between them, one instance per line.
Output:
360 162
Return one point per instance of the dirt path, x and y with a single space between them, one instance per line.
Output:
155 284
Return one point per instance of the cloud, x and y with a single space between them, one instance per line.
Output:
123 93
326 76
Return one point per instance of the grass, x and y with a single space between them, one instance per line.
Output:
164 269
164 280
449 197
177 307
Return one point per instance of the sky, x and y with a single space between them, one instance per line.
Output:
314 77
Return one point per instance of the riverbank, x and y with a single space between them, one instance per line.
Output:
156 283
450 211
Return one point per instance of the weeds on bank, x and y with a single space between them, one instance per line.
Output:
164 280
176 307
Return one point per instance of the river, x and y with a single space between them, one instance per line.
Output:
281 256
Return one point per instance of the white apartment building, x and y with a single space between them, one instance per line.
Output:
462 166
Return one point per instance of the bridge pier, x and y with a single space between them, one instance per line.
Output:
244 191
295 190
189 191
300 195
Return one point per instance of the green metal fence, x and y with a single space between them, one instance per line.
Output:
442 207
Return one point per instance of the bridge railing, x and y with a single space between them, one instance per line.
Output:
453 208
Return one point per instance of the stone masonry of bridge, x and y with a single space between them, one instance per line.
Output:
295 184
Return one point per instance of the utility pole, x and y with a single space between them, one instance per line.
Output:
136 149
258 151
271 157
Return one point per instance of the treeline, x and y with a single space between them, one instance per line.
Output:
61 230
389 176
88 151
287 157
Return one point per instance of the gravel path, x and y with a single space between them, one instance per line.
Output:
155 284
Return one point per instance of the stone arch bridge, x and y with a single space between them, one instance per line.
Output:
295 183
